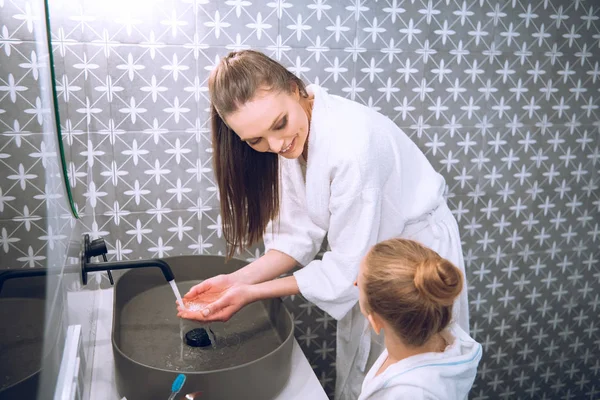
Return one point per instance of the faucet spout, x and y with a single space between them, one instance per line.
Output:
98 247
105 266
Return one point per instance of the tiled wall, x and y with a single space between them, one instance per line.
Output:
500 95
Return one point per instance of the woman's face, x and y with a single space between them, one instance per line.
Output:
273 122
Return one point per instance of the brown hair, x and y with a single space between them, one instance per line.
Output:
248 180
411 287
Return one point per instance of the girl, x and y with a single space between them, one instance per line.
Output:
294 164
407 290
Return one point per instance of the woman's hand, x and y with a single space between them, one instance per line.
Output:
218 298
215 299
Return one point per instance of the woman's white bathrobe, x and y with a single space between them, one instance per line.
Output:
365 182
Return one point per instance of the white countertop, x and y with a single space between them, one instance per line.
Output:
303 383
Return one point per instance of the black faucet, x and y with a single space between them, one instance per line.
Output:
20 273
97 247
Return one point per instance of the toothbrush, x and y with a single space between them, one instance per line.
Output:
176 386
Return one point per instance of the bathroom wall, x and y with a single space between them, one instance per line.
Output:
500 95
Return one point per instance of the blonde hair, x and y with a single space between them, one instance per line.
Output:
411 287
248 181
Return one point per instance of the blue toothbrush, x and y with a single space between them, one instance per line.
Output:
176 386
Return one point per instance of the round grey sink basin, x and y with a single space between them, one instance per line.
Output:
249 356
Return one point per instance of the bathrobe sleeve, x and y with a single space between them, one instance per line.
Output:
293 232
355 213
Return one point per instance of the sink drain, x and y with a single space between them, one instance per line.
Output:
197 338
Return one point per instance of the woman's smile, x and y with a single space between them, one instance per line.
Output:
289 148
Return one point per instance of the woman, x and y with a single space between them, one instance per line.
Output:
406 291
293 164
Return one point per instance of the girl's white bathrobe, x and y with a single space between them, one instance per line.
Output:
448 375
365 181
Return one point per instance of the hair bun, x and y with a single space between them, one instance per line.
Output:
438 281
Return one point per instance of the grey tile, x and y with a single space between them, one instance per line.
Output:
20 88
563 225
582 110
210 239
202 123
66 90
567 160
514 231
379 27
253 25
331 24
20 19
208 196
11 239
516 84
593 205
83 21
456 89
207 243
77 169
182 104
589 262
84 88
131 68
180 152
481 233
457 154
508 32
92 173
22 176
168 22
168 235
124 26
61 236
385 83
571 79
488 18
469 148
227 23
515 156
540 32
153 87
410 108
456 25
548 381
176 155
90 21
25 243
401 23
462 208
136 154
53 242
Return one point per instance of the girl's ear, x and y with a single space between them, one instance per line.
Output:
376 322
